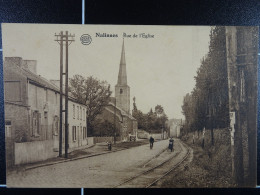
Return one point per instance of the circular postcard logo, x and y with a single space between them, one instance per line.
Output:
85 39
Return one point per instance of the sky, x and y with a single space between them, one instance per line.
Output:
160 67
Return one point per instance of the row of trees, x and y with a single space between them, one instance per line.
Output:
152 122
207 105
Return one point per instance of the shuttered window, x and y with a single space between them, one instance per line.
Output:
12 91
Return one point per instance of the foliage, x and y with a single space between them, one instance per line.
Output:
104 128
152 121
92 92
207 105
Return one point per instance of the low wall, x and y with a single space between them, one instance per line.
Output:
94 140
145 135
9 152
157 136
103 139
29 152
90 140
142 135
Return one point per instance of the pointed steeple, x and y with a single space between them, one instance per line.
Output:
122 78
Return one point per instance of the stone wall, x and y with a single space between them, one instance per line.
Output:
29 152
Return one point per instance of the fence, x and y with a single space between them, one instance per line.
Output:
29 152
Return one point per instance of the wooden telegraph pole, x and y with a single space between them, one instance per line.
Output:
115 122
61 39
242 49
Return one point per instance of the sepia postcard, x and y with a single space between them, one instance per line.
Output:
128 106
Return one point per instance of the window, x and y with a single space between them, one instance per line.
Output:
77 129
80 113
77 112
36 117
84 114
84 132
81 134
73 111
12 91
74 133
121 91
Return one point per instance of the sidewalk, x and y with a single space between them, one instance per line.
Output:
84 152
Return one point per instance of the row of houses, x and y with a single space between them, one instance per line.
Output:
32 113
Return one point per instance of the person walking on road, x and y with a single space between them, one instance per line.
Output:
151 142
171 144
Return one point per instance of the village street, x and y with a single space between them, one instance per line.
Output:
106 170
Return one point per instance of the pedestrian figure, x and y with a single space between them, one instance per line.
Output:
151 142
193 137
171 144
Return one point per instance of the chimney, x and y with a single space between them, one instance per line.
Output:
10 61
30 65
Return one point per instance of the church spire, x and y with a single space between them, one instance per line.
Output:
122 78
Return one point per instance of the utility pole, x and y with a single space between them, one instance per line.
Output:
68 39
242 60
115 122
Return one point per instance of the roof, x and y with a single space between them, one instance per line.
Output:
122 77
43 82
37 79
122 111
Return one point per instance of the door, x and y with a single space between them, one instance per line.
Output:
78 135
56 133
8 129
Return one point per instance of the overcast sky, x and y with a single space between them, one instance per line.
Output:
160 70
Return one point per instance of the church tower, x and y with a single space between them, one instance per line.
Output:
122 90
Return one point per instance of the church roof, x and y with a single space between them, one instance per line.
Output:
122 78
122 111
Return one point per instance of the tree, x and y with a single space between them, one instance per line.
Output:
104 128
152 121
161 118
207 105
151 117
159 110
91 92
